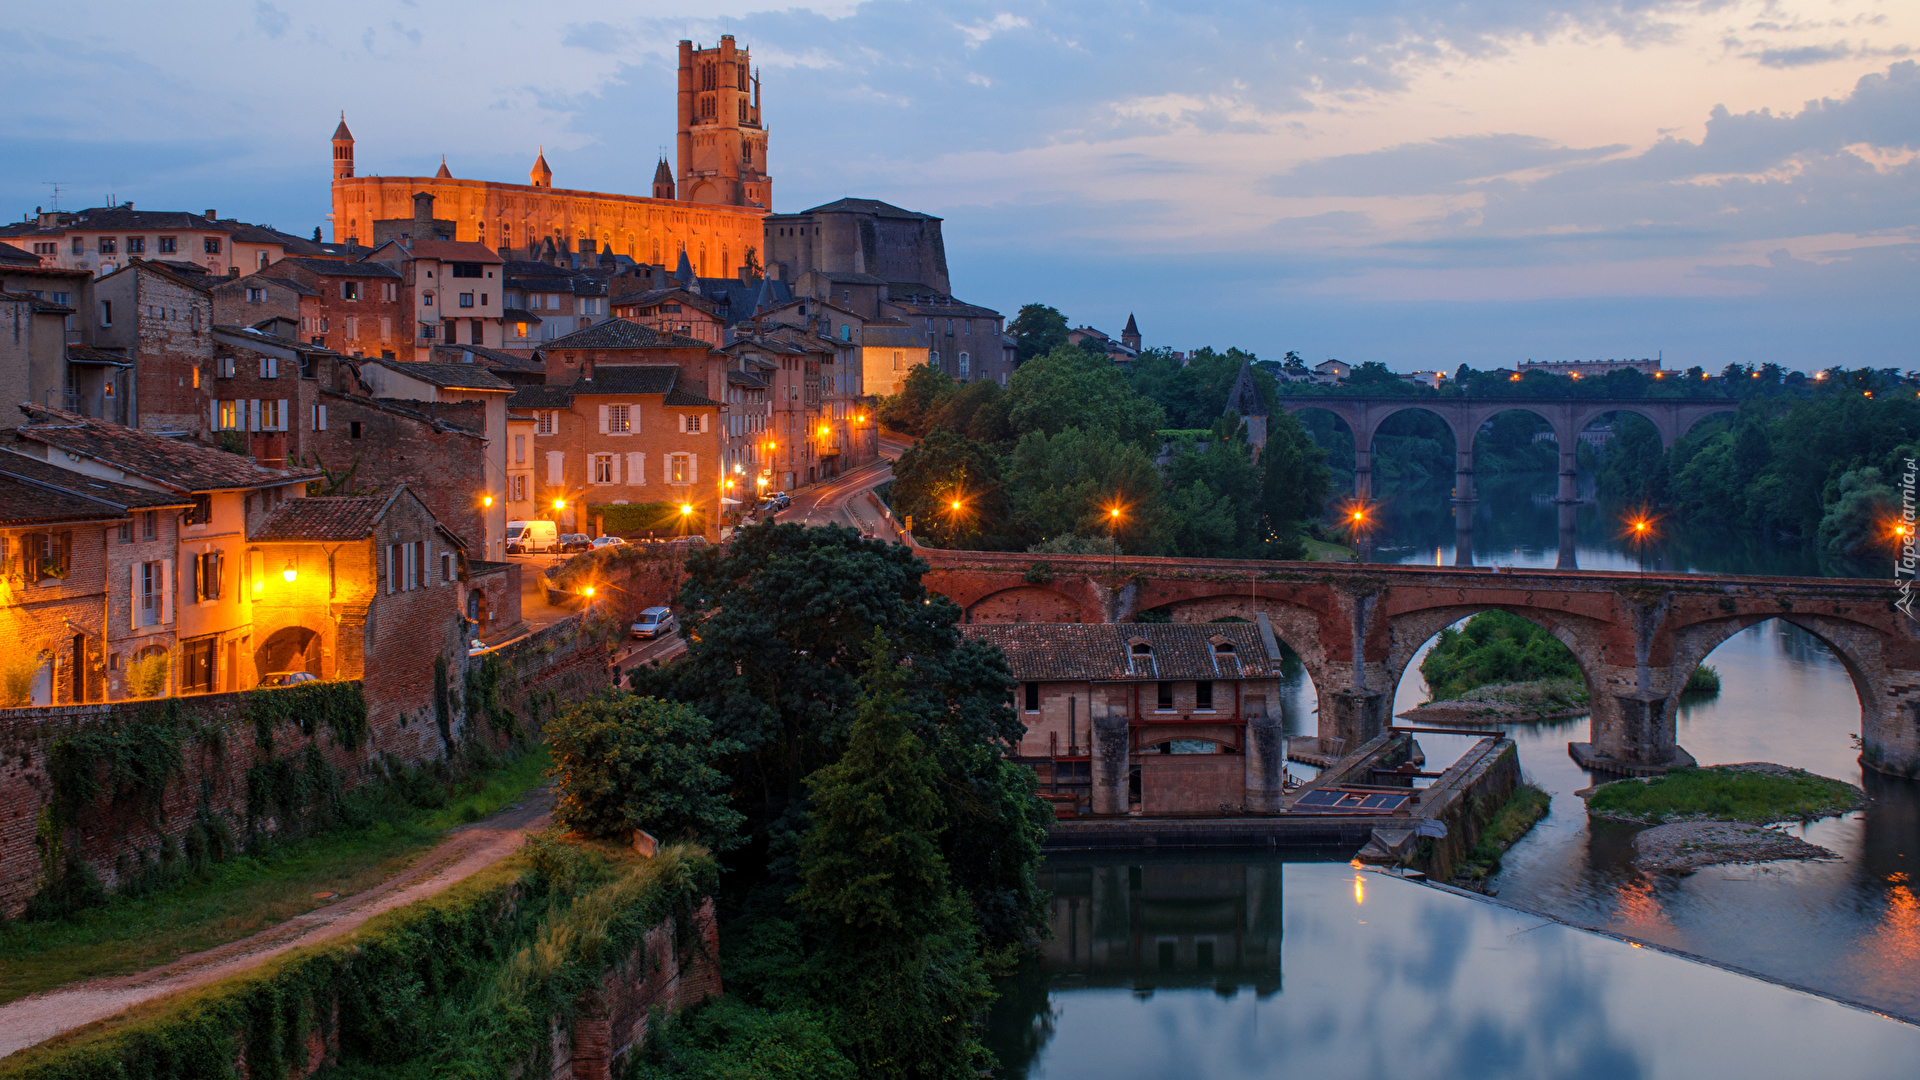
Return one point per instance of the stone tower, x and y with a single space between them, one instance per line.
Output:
540 175
722 145
663 180
342 150
1130 337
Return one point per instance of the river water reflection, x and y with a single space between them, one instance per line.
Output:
1262 968
1425 983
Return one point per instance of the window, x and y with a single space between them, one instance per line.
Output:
229 416
426 299
846 332
681 470
517 487
899 360
965 363
426 332
603 468
169 245
1033 697
617 422
318 421
353 429
223 367
1203 695
483 299
106 313
270 416
108 245
349 290
590 306
1165 700
477 331
212 245
386 330
149 524
47 556
136 245
693 425
519 449
126 532
256 295
79 245
270 366
466 299
466 270
149 582
202 510
208 571
543 425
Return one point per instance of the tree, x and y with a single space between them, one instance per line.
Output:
1067 483
1194 391
912 409
1294 485
977 410
945 468
898 947
1069 388
1036 330
625 762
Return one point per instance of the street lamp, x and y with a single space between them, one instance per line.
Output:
1638 530
1113 535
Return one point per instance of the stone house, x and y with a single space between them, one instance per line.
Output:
1162 718
101 240
817 421
441 386
161 322
213 583
355 308
626 434
455 292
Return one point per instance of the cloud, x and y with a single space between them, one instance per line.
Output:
271 20
1435 165
1804 55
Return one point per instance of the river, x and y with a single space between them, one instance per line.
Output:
1420 981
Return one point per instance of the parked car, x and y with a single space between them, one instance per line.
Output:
288 678
476 647
607 542
653 622
779 500
529 537
571 542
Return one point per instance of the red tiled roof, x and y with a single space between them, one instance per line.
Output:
28 504
178 464
1103 652
325 517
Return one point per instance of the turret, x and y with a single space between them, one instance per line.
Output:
542 175
663 180
443 174
1130 337
342 149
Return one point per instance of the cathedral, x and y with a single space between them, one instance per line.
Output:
711 208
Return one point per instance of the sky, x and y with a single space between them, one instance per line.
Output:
1420 184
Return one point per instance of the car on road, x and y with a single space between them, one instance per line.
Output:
607 542
653 622
288 678
570 542
779 500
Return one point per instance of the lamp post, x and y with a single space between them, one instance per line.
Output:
1638 530
1113 534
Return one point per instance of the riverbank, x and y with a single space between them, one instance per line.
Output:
1522 810
1506 703
1690 845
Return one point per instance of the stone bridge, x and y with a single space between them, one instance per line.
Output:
1356 627
1672 418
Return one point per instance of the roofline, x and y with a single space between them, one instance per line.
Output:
291 477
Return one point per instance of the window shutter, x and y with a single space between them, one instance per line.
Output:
704 417
613 468
133 595
390 550
636 469
213 414
257 565
556 468
253 414
426 562
166 590
320 418
604 421
693 468
283 415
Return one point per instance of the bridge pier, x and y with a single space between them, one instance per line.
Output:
1354 714
1633 734
1112 765
1569 556
1363 467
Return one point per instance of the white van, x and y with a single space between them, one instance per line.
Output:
528 537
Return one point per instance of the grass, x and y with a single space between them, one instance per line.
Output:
1725 793
1322 551
1527 805
246 894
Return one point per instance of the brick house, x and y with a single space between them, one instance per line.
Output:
676 311
473 397
356 308
137 552
212 586
629 434
161 322
454 292
1168 718
617 341
103 239
817 423
53 585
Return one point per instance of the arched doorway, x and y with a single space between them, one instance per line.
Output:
290 648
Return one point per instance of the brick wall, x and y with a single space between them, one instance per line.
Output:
166 326
436 449
664 973
43 617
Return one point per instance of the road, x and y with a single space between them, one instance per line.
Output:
841 500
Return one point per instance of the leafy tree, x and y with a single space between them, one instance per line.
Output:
1069 388
977 410
1294 485
1068 482
1036 330
899 949
727 1039
941 469
625 762
1194 393
915 407
1214 493
1854 522
1494 647
776 625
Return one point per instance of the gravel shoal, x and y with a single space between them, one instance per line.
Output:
1690 845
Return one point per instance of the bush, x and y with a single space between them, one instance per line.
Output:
730 1040
1704 680
17 669
627 518
1494 647
627 762
148 677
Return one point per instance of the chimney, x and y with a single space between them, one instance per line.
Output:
211 216
422 206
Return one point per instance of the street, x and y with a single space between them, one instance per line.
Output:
841 500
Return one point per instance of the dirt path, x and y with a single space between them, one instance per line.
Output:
465 851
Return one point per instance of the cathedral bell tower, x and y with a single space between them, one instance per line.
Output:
722 146
342 150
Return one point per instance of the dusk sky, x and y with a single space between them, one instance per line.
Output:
1419 184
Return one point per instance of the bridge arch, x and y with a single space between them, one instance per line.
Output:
1409 632
1689 418
1027 603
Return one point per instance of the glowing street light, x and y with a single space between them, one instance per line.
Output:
291 573
1638 529
587 592
559 504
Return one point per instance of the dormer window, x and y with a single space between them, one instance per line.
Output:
1140 659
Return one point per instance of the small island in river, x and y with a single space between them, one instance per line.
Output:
1704 817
